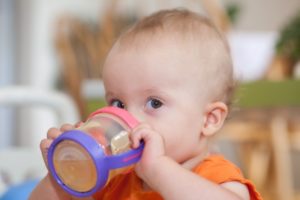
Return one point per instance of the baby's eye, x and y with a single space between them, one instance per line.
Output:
154 104
117 103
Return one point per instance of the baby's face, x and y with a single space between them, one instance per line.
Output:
162 87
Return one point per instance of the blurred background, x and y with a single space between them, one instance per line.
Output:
51 53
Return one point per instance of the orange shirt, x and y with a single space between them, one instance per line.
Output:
214 168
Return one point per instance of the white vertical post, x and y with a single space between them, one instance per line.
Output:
7 31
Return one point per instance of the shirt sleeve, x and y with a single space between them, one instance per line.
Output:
219 170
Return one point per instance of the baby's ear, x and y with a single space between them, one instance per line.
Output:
214 117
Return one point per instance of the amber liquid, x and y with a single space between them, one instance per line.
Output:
74 174
79 175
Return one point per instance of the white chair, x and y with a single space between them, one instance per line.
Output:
20 163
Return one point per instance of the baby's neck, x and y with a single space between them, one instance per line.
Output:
190 164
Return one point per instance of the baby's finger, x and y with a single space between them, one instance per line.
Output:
66 127
140 133
78 124
44 146
53 133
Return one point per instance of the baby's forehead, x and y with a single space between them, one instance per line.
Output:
181 38
205 45
195 57
160 61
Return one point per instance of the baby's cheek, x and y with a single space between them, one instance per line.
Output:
173 149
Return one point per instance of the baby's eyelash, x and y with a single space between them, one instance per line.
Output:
154 103
116 103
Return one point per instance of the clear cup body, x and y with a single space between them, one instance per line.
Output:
109 131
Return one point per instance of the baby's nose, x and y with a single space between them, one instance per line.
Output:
136 113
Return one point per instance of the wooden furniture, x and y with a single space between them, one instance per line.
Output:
266 128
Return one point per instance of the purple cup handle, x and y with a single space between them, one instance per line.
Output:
127 158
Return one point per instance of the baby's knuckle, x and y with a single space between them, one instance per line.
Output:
66 127
44 143
51 130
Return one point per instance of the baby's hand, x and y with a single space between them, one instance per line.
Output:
48 187
153 152
51 135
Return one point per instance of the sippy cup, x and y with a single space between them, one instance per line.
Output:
84 159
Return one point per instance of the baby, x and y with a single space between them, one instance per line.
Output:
173 72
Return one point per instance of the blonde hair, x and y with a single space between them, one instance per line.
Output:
190 26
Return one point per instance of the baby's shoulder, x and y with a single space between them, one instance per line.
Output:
218 169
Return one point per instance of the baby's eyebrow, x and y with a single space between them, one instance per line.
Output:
152 89
156 92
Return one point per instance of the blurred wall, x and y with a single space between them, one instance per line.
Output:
264 15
